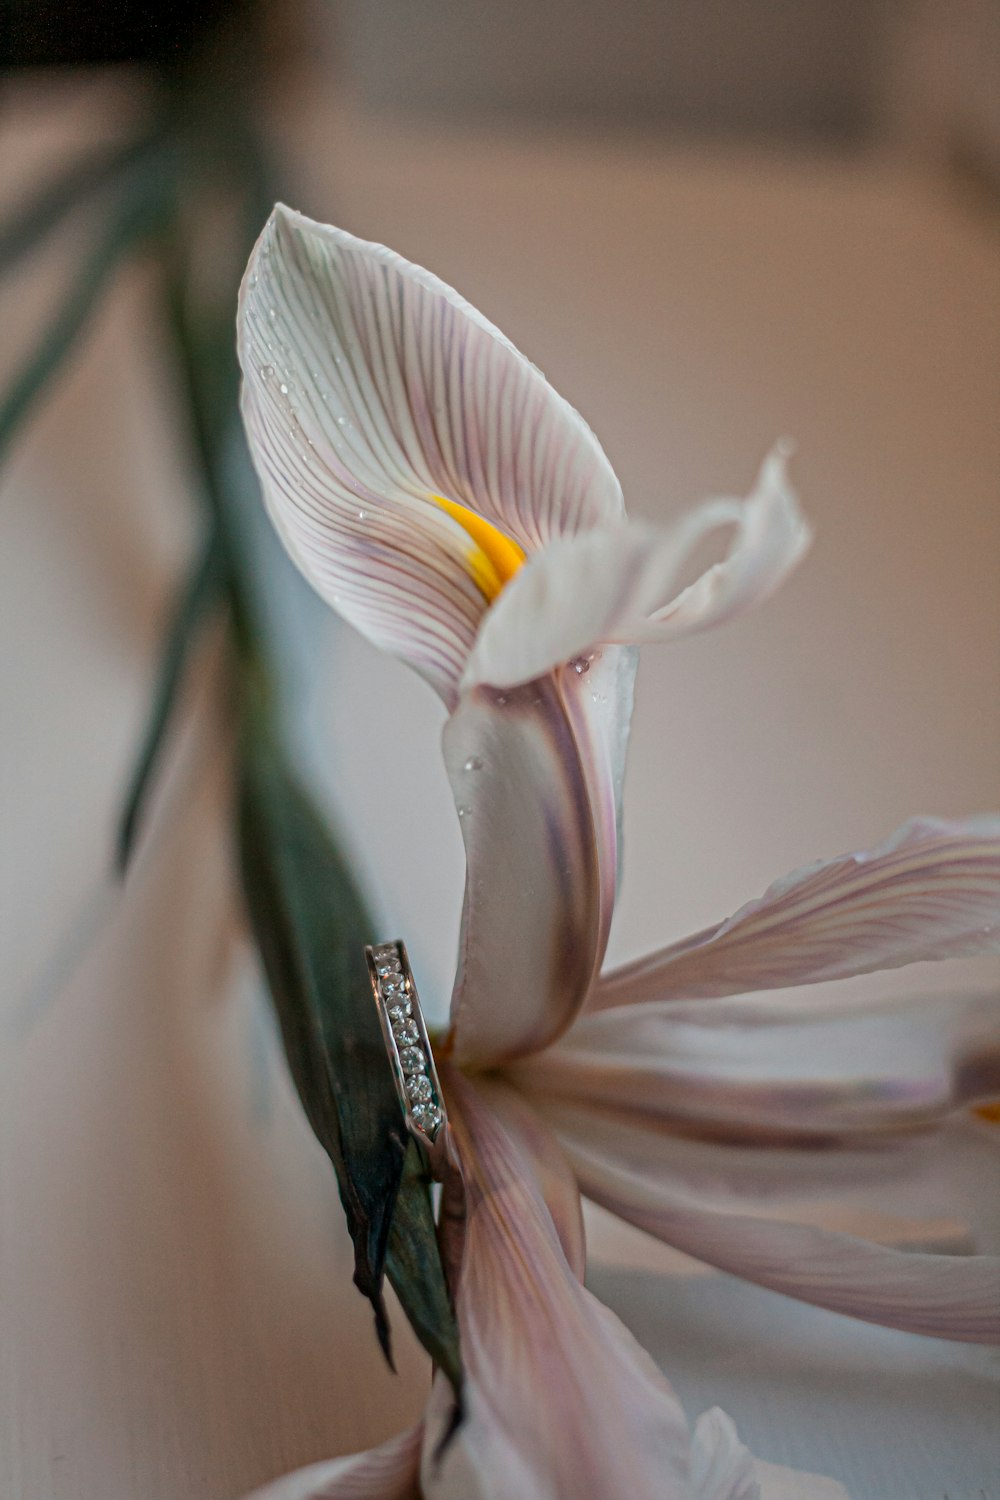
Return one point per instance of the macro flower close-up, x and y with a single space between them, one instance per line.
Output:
500 959
443 498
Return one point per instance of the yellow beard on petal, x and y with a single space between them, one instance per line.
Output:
493 559
990 1112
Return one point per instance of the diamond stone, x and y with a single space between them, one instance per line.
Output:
411 1060
400 1010
428 1117
388 966
406 1032
393 984
419 1090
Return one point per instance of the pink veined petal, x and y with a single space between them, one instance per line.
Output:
619 584
535 773
551 1170
561 1403
371 387
389 1472
805 1076
944 1296
931 891
894 1180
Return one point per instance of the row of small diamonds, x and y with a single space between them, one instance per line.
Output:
406 1033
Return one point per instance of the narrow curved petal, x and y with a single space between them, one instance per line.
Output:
621 584
535 773
894 1067
931 891
389 1472
560 1401
944 1296
370 389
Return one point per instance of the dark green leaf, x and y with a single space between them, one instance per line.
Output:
413 1266
311 930
308 919
200 591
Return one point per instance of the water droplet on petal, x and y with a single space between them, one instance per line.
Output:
474 763
253 279
283 388
581 664
272 313
266 371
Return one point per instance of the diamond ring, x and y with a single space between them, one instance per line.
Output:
410 1055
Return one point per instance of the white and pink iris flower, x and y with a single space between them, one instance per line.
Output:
448 503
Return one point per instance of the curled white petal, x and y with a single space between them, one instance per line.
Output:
619 584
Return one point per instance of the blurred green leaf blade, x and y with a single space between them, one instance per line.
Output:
45 210
139 212
199 592
307 918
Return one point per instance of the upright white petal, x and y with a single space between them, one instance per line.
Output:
370 389
536 773
620 583
931 891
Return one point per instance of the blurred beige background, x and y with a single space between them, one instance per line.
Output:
176 1314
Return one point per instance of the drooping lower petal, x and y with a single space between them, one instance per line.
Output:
767 1077
535 791
931 891
390 1472
381 408
944 1296
621 584
561 1403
